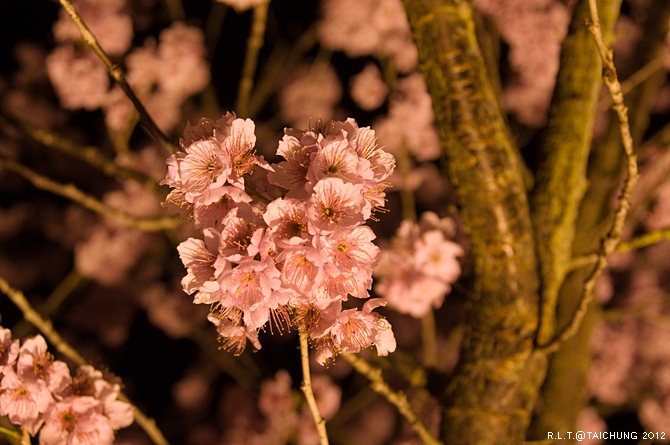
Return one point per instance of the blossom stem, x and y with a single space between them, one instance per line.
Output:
428 339
397 399
117 74
306 387
613 237
45 326
254 45
25 436
73 193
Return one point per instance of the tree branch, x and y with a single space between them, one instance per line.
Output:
117 74
490 397
71 192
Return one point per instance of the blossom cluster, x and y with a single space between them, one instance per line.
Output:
283 244
163 75
39 394
416 272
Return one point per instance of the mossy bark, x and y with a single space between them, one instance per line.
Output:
560 181
565 392
492 391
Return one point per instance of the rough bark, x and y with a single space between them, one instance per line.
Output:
492 391
565 392
560 182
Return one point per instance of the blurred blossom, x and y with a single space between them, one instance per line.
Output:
113 249
615 350
163 76
534 31
416 271
368 88
171 310
589 420
328 395
369 27
182 69
79 77
277 398
310 95
106 19
191 392
410 122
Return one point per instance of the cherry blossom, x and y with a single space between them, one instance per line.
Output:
291 251
416 271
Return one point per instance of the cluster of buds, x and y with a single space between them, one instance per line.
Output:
39 394
283 244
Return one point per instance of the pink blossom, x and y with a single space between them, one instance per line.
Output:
36 363
354 330
175 315
238 149
534 32
291 174
410 121
24 401
112 27
79 78
436 256
411 294
349 249
110 253
182 69
370 27
287 221
276 398
88 381
198 258
328 395
251 287
335 204
77 421
311 95
233 337
415 273
368 88
9 349
300 267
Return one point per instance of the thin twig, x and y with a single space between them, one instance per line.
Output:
89 154
428 339
25 437
74 194
306 387
638 242
397 399
639 77
613 237
117 74
71 282
254 45
45 326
